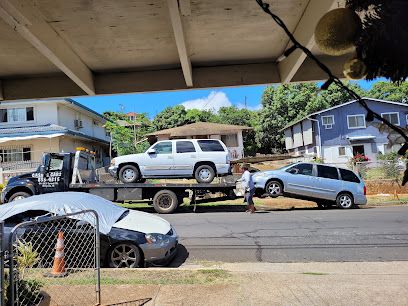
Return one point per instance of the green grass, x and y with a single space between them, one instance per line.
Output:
136 277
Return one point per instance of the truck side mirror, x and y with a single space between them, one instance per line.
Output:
151 151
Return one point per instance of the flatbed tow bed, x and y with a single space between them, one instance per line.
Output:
165 197
69 176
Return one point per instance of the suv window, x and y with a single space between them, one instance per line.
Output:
327 172
304 169
210 146
349 176
185 147
163 147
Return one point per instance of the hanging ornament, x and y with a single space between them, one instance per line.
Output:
383 41
354 69
337 31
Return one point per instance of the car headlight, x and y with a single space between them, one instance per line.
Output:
158 239
112 163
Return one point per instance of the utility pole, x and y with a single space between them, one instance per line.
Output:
245 103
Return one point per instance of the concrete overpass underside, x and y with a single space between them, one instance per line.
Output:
55 48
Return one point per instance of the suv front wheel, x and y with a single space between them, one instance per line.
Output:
204 174
129 174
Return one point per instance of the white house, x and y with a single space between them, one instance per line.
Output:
28 128
230 135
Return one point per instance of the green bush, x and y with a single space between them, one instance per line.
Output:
390 165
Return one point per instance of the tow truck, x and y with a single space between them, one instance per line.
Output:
77 171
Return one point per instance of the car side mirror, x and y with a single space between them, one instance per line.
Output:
151 151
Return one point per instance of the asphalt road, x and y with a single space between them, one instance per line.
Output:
369 234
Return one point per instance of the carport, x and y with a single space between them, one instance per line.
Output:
54 48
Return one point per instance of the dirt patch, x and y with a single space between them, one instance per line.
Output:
385 187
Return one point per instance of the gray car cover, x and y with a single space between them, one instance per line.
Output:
61 203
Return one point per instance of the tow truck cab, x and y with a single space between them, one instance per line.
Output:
53 175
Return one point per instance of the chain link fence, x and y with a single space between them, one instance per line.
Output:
55 259
381 169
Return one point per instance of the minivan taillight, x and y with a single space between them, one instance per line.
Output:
365 190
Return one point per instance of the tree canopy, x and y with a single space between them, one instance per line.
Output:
281 104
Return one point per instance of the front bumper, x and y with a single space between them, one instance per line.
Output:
160 254
113 170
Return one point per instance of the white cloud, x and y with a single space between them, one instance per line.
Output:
214 101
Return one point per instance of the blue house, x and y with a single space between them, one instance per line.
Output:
338 133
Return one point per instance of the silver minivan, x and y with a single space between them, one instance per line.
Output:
202 159
326 185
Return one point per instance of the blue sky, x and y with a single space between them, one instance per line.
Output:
153 103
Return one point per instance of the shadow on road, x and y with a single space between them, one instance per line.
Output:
203 208
181 257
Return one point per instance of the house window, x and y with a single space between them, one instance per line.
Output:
328 121
391 117
15 154
230 140
356 121
16 114
342 151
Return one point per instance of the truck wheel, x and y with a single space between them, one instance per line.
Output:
18 196
274 189
129 174
345 201
204 174
165 202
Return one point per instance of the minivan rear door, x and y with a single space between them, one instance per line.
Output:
328 183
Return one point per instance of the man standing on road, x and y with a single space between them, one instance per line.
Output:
248 185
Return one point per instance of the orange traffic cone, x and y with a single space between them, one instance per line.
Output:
58 267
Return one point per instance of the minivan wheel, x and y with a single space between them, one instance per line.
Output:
129 174
345 201
274 189
204 174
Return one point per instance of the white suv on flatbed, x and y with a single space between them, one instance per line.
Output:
202 159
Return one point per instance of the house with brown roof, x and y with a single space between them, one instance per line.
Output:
231 135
